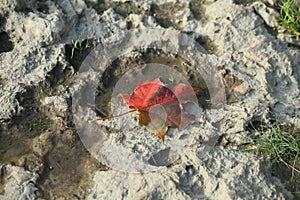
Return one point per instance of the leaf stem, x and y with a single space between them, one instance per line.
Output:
111 117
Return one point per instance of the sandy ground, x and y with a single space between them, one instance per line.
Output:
246 68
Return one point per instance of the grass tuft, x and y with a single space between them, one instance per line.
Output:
78 44
280 146
290 17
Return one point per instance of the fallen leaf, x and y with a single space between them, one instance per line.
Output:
160 106
170 113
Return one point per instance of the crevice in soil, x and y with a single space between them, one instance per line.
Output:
207 44
5 43
121 65
42 6
79 54
244 2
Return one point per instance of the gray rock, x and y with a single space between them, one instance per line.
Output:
266 65
221 174
42 144
19 183
267 14
57 105
32 57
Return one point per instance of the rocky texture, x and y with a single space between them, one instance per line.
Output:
19 183
34 54
260 68
211 177
42 144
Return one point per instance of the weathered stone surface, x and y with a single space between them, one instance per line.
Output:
42 144
221 174
34 53
19 183
261 71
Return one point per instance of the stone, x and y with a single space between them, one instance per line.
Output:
57 105
19 183
261 70
42 144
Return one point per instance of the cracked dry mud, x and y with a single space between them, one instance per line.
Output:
41 153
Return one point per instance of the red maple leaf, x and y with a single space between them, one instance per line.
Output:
160 106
